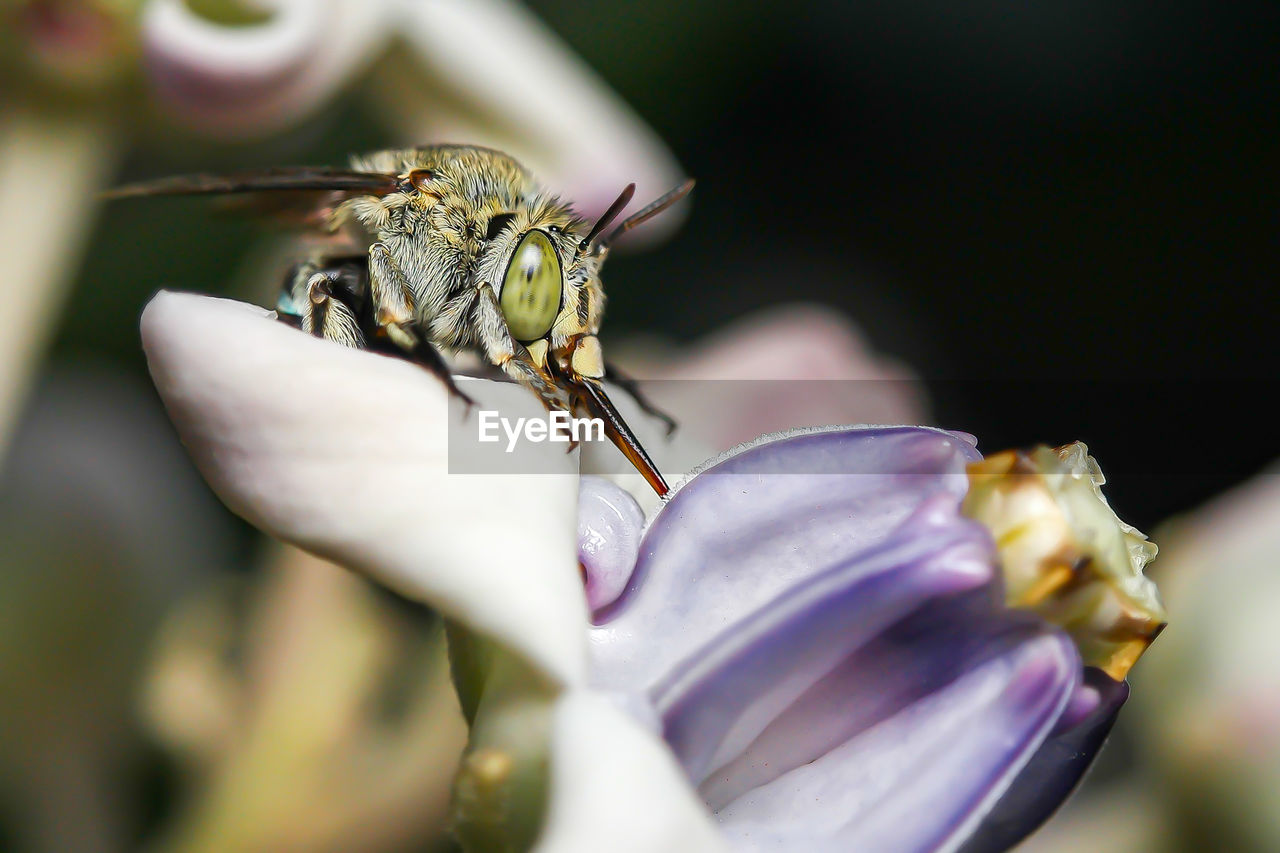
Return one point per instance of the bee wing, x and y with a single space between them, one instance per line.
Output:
295 178
291 196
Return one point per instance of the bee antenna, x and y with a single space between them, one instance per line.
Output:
652 209
623 199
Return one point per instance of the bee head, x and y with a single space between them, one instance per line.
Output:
548 264
546 288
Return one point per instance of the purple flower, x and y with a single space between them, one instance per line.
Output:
807 647
821 637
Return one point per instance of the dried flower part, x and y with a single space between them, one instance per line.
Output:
819 637
1065 553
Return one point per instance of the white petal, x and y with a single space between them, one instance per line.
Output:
526 93
233 80
1213 680
345 453
616 787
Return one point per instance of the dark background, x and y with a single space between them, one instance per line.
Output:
1062 215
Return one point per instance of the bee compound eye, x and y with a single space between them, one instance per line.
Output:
531 288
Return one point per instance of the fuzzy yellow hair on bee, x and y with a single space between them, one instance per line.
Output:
459 249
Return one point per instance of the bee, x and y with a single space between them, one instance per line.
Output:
464 251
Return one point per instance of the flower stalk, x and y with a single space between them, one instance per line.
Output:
500 792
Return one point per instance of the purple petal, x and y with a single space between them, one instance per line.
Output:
609 526
759 523
1054 771
899 666
716 703
921 778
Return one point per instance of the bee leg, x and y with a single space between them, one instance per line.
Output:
511 355
392 297
632 387
394 319
414 346
324 300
